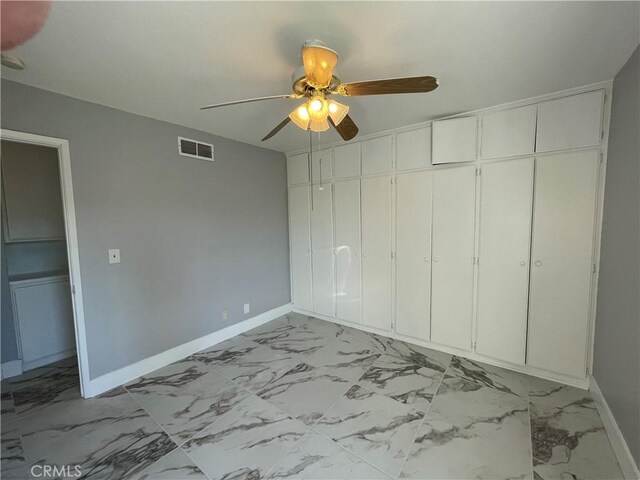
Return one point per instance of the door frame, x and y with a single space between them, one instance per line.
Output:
71 231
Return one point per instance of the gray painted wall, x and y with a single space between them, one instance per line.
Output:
617 341
195 237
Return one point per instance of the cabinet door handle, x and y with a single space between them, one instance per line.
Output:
357 254
523 263
538 263
435 259
426 259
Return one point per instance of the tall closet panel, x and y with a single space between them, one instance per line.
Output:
298 169
321 166
452 253
505 238
413 252
300 237
346 199
376 252
562 254
322 251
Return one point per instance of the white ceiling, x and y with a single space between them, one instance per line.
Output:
165 59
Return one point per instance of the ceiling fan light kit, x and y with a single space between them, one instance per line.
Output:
317 78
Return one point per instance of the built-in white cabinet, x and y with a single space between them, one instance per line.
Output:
503 278
298 169
346 200
413 149
455 140
413 254
32 194
376 155
564 216
321 165
376 252
509 132
322 250
300 247
569 122
43 314
452 269
346 161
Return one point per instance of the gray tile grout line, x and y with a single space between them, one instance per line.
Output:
406 458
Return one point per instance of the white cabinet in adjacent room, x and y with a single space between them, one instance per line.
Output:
322 251
298 169
376 252
506 196
455 140
569 122
376 155
346 200
413 149
321 165
300 247
346 160
413 252
509 132
452 256
564 216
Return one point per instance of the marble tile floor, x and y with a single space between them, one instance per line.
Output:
302 398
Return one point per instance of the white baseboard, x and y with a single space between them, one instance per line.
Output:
121 376
618 443
41 362
11 369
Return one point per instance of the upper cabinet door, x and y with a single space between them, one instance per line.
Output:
376 155
321 158
346 160
564 216
31 183
509 132
413 252
322 251
455 140
570 122
413 149
505 240
300 247
346 200
298 169
454 201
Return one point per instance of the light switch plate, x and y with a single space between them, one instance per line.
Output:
247 308
114 255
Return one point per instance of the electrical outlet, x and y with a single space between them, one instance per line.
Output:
225 315
247 308
114 255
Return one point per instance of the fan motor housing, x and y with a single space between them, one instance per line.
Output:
301 87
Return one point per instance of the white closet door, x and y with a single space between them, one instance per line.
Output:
455 140
505 239
452 252
562 256
300 237
346 160
346 199
413 251
298 169
509 132
322 251
376 155
376 252
413 149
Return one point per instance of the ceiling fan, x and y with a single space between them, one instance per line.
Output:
317 79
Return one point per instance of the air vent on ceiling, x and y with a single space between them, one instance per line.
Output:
195 149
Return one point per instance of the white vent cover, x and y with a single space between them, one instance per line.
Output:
195 149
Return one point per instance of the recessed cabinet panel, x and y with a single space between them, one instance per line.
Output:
505 239
413 149
322 248
562 256
346 199
452 256
413 252
376 155
509 132
455 140
346 160
300 235
321 158
298 169
570 122
376 252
